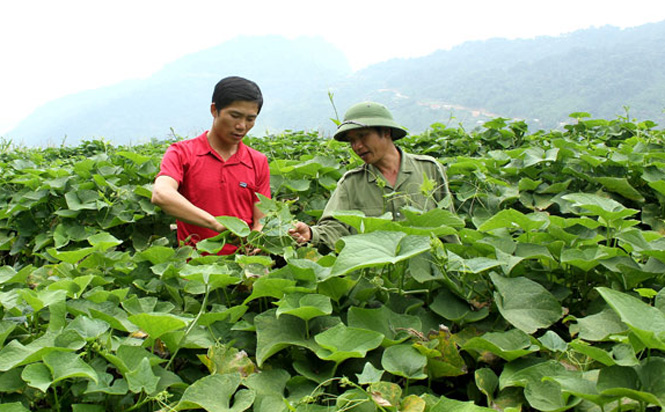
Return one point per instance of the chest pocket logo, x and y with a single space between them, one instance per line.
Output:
247 191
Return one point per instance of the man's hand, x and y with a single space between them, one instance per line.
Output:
165 195
219 228
301 232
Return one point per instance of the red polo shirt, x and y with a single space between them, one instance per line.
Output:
222 188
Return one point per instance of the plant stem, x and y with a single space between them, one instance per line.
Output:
55 398
138 404
191 325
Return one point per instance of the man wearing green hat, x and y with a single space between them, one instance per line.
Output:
389 180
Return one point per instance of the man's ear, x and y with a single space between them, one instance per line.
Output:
213 110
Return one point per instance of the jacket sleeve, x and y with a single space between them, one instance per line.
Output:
329 230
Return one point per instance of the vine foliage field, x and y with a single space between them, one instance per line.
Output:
552 299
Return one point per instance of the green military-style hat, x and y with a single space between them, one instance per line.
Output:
368 114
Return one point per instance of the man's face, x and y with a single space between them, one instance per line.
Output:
233 122
369 144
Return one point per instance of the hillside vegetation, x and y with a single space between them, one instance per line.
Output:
552 300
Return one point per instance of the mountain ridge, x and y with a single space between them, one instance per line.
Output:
540 80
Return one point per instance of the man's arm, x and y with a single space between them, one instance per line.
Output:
256 220
324 234
165 195
328 230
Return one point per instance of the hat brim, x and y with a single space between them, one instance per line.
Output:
397 131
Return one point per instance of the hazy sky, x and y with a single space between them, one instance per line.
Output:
53 48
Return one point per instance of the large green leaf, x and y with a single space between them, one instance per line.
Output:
16 354
42 298
222 359
548 395
304 306
71 256
157 324
135 305
6 328
369 374
13 407
393 326
113 315
524 370
608 209
269 287
366 224
636 239
87 327
65 365
127 358
307 269
83 200
437 222
108 385
536 155
582 386
404 360
157 254
377 249
646 322
472 265
141 378
443 404
513 219
487 382
657 250
235 225
341 342
103 241
525 304
9 275
432 219
335 287
443 356
592 352
453 308
599 326
213 276
274 334
38 376
624 382
508 345
213 393
269 386
542 394
587 258
621 186
652 377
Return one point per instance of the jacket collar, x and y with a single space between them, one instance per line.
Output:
406 167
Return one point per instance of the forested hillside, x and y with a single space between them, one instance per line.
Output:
601 71
539 80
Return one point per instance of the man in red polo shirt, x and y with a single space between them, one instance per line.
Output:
216 174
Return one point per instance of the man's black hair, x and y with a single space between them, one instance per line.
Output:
232 89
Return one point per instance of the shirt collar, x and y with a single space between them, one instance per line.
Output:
202 148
